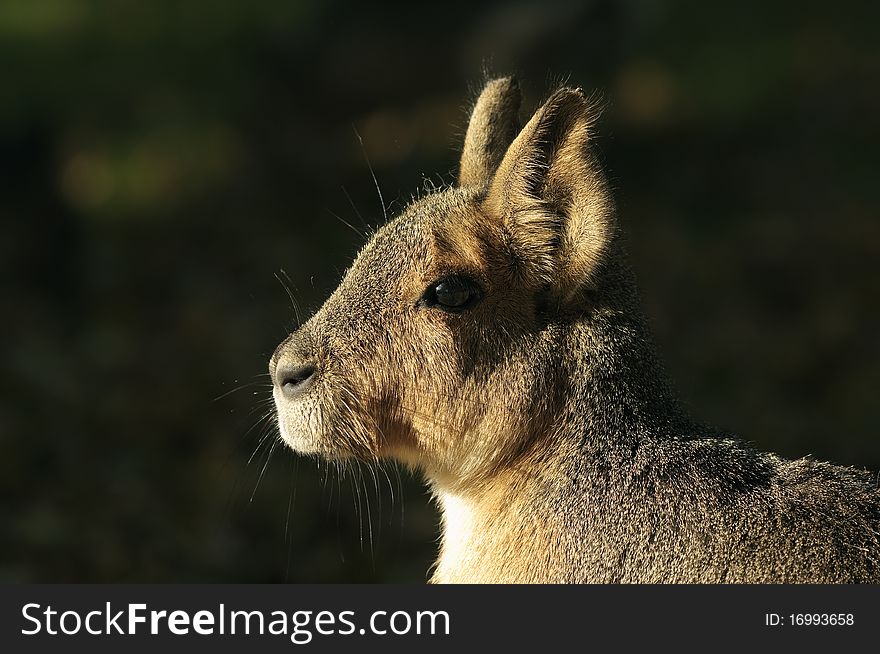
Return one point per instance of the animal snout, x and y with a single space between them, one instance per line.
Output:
293 378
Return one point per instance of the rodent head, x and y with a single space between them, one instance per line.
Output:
439 347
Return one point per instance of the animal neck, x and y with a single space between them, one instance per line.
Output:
619 392
484 531
616 397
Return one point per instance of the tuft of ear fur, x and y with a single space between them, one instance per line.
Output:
493 124
552 198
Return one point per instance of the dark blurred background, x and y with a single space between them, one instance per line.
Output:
162 162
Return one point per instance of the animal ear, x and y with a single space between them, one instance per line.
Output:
552 198
493 124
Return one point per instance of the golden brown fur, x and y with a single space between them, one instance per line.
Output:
538 412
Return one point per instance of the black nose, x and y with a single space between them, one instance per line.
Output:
294 379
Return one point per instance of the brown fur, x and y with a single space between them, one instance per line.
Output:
540 415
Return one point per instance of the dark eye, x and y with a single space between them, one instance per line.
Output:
452 294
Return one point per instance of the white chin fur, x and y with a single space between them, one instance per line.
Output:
302 443
299 423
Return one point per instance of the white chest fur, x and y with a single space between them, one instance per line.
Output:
458 535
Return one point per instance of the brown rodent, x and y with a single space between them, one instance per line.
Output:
490 336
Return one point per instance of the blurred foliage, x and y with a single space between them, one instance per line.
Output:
161 162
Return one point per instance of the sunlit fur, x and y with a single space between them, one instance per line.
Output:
540 417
